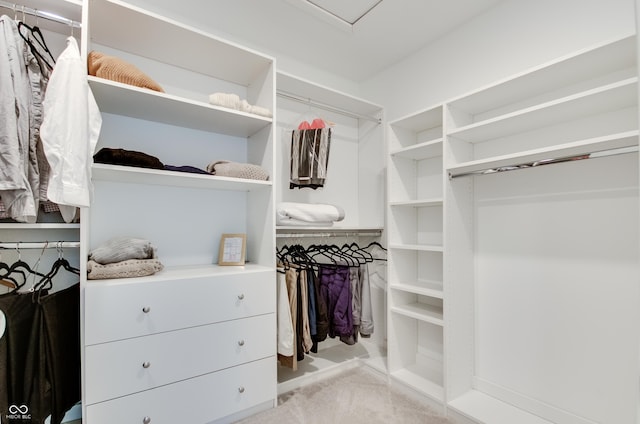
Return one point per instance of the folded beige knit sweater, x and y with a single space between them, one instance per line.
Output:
116 69
126 269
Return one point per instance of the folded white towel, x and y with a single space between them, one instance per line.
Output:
262 111
233 101
290 213
229 100
245 106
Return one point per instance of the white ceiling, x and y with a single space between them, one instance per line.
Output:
389 32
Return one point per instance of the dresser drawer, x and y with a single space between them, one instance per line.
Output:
142 307
128 366
195 401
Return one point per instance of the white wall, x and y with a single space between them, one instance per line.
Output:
508 39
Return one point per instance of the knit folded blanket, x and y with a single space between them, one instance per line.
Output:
124 269
116 69
118 249
223 168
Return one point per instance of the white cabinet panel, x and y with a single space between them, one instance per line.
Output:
118 311
195 401
128 366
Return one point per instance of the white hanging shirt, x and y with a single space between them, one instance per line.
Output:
70 129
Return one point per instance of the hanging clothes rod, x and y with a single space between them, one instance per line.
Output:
534 164
367 233
40 245
308 101
40 14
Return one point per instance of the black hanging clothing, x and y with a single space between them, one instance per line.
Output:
40 356
20 314
59 342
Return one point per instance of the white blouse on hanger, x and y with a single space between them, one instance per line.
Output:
70 130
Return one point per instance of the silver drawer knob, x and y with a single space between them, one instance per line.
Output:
241 296
240 342
241 389
146 420
146 309
146 364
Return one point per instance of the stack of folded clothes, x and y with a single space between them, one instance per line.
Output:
233 101
123 257
308 214
225 168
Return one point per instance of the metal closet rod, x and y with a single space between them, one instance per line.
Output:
526 165
308 101
40 245
40 14
328 234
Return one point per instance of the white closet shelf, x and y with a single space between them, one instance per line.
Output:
295 231
425 150
421 247
421 203
421 311
141 103
39 226
418 122
314 93
414 376
596 144
51 14
618 95
423 288
584 65
128 174
155 37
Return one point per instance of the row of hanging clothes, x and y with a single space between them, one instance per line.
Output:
324 291
39 339
48 123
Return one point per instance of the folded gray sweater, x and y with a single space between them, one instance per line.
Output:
120 249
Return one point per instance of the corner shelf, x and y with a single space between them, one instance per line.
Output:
421 311
430 288
420 151
418 247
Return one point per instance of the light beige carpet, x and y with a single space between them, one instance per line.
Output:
357 396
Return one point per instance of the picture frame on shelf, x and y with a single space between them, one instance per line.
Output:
232 249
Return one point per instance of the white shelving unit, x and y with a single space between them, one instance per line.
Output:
527 251
176 312
49 227
415 270
356 163
354 179
493 275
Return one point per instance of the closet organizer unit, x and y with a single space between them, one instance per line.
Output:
415 271
49 228
541 294
355 182
196 341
